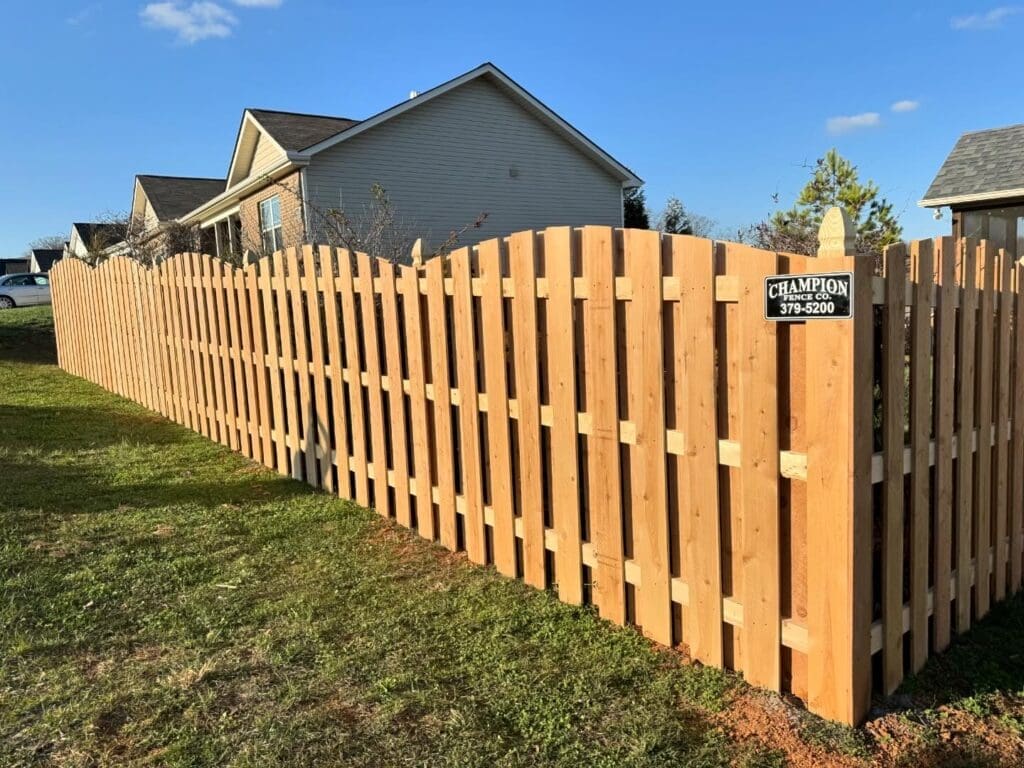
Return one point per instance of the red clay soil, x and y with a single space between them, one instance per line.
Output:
944 737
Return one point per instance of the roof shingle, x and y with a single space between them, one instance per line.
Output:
982 163
295 131
174 196
45 257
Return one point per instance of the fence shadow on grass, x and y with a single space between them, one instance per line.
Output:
45 467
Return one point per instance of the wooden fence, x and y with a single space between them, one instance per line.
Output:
608 414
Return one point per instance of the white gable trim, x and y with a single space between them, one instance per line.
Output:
976 197
628 178
249 124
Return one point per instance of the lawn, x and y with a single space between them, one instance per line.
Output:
166 602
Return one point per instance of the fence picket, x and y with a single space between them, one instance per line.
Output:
412 306
983 461
396 394
469 414
374 391
945 389
318 437
759 472
1004 299
343 451
893 383
444 446
559 257
522 260
920 432
965 426
698 496
496 386
605 485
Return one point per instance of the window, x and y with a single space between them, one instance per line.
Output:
20 280
42 280
270 224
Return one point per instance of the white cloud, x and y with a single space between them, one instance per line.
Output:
847 123
80 17
989 20
905 105
258 3
191 23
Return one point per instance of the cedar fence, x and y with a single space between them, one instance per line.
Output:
608 414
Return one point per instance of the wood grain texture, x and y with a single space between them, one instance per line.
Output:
560 257
759 471
605 485
499 454
922 273
523 272
945 388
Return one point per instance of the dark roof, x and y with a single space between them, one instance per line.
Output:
981 164
46 256
174 196
103 233
295 131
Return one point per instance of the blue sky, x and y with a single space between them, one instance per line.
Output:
718 103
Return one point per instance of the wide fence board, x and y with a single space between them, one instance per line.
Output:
983 450
893 384
945 377
608 413
759 472
396 396
604 503
499 453
965 432
561 257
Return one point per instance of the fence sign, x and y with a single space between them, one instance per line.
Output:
824 296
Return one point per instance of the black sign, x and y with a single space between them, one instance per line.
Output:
827 296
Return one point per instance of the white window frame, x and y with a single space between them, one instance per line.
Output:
271 233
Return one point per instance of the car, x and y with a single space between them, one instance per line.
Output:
24 290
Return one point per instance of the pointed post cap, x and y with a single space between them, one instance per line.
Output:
837 235
417 253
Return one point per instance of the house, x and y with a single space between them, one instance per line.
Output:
477 144
43 258
91 237
13 266
982 182
159 204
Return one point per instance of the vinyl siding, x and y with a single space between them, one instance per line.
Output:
448 160
265 155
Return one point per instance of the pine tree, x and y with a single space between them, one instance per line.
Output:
634 209
834 182
674 219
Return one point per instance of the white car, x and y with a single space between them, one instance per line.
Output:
24 290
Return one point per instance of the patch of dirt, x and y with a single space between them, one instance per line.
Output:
768 722
409 547
164 531
57 549
950 737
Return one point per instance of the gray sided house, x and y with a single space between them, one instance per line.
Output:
13 266
477 144
982 183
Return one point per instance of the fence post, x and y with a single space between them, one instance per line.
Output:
839 425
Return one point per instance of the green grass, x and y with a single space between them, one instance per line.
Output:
165 602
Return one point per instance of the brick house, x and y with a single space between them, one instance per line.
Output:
479 143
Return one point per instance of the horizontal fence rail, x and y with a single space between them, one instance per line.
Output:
608 414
